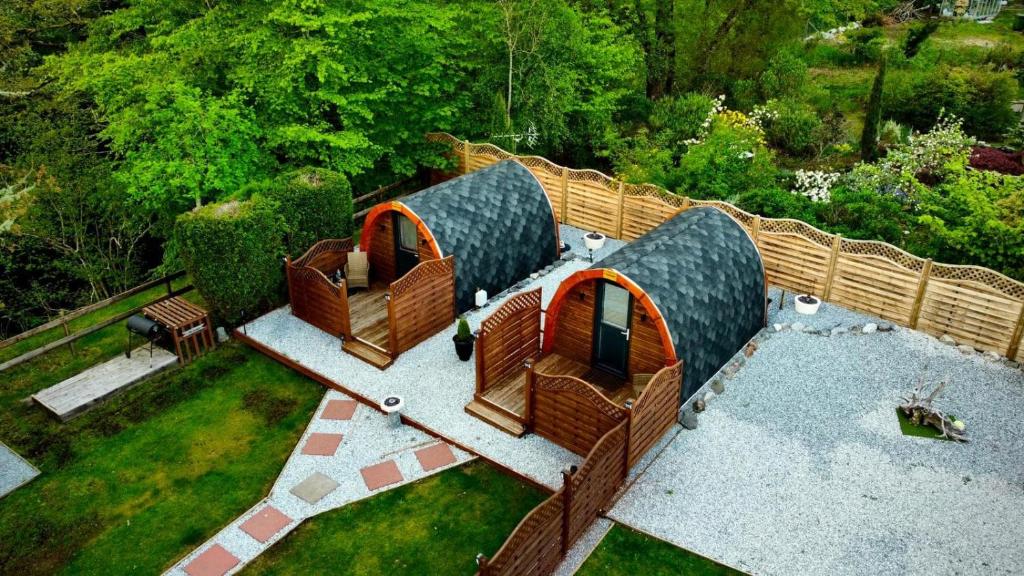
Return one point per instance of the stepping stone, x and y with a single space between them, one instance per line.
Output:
435 456
380 475
339 410
265 523
214 562
314 488
319 444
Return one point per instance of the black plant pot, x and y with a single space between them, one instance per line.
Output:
464 348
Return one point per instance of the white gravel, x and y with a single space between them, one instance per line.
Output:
800 467
366 440
584 547
436 386
15 471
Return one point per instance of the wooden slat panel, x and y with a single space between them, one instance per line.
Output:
655 411
422 303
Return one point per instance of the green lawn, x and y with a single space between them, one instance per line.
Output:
87 320
140 481
627 552
434 526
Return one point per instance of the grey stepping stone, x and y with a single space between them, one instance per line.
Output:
314 488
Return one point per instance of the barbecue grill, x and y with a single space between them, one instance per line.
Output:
150 330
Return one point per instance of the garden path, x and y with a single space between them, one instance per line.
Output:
347 453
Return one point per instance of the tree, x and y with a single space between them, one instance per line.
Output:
873 119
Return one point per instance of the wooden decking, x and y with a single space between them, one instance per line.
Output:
368 314
86 389
509 395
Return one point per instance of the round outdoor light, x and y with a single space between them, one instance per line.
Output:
392 406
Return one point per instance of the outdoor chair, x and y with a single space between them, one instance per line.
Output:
357 270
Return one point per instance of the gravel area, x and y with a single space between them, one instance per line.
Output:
366 440
584 547
799 467
15 471
436 386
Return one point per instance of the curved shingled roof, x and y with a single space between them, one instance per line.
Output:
706 277
497 221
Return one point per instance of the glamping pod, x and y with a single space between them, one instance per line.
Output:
497 222
633 335
421 259
692 289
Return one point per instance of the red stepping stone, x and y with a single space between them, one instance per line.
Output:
265 523
320 444
339 410
380 475
435 456
214 562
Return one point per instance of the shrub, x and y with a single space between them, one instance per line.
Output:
986 158
917 35
774 202
315 203
785 77
869 137
793 127
232 251
730 160
980 97
677 119
867 44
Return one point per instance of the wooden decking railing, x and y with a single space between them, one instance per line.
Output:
314 297
974 305
507 338
421 303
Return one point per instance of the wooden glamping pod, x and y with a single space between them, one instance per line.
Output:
691 290
428 254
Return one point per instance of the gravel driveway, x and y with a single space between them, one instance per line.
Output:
800 466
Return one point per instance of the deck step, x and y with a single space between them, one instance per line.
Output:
495 418
368 353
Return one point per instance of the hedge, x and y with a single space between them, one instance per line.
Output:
315 203
232 251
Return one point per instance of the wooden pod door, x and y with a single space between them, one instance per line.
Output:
406 246
611 328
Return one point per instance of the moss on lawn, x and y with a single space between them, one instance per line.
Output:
434 526
140 481
627 552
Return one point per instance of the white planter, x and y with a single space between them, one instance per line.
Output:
594 240
806 307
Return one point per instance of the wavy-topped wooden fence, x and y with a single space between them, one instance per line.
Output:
974 305
421 303
507 338
313 296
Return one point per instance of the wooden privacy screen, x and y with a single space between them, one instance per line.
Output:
655 411
313 296
421 303
541 540
569 411
974 305
507 338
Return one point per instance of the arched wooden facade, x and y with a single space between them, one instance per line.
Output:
698 294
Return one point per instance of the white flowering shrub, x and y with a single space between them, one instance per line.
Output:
717 107
815 184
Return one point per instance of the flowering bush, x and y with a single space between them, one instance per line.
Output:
815 185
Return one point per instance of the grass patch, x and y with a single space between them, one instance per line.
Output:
434 526
625 551
131 486
908 428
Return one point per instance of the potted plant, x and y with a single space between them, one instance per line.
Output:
807 304
594 241
464 340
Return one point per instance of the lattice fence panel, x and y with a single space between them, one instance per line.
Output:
535 546
508 337
422 303
655 411
593 202
571 413
595 483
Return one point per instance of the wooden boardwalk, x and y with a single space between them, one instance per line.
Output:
86 389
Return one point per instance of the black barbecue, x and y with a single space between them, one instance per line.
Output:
150 330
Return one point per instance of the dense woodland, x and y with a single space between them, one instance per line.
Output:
118 117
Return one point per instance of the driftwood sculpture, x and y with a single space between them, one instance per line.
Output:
918 406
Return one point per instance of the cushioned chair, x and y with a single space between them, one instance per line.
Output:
357 270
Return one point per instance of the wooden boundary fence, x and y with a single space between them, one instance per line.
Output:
421 303
974 305
508 338
313 296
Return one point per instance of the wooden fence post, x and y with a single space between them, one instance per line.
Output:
922 287
837 242
481 564
755 228
686 204
67 331
528 391
466 155
620 215
480 362
565 194
392 324
1011 351
566 509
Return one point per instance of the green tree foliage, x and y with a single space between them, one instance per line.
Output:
232 251
316 204
916 37
869 136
